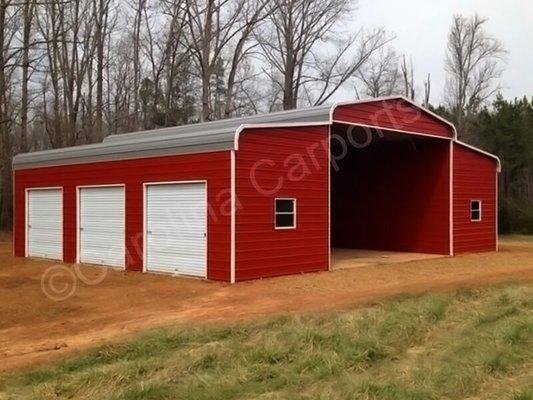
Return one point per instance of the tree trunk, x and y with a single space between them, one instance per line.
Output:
289 101
5 142
27 25
100 38
206 62
137 62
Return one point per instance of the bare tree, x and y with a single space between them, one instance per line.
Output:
408 77
254 13
291 45
473 66
9 15
427 91
28 8
139 6
73 71
101 18
380 75
217 28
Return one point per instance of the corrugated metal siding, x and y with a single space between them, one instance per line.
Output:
474 178
102 226
288 163
212 167
45 234
176 225
393 114
393 196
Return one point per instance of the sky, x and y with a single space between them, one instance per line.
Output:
421 28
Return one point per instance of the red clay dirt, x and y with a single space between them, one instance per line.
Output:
35 328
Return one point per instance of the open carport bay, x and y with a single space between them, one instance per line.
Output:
354 258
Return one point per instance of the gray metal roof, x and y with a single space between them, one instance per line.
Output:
201 137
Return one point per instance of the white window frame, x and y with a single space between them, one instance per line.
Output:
285 213
472 209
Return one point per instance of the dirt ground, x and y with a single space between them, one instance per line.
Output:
105 304
355 258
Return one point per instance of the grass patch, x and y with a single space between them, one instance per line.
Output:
516 238
475 343
526 394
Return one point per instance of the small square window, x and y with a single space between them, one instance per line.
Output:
285 214
475 210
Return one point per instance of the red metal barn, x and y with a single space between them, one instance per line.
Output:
260 196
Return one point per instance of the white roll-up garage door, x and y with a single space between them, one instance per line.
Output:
176 228
101 225
45 223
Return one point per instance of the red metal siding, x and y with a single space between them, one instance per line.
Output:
393 114
285 162
474 178
393 196
212 167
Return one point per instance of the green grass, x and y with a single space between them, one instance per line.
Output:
468 344
516 238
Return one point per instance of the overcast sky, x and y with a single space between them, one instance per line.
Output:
421 28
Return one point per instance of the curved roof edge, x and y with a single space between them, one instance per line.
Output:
211 136
403 98
186 139
486 153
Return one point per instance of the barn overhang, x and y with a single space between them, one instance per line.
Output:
393 113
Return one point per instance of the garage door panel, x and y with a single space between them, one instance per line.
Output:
102 225
43 250
178 251
106 225
45 223
176 218
103 256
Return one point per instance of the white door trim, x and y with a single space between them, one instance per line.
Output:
78 219
145 217
27 217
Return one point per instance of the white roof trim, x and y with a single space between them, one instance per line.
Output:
196 138
482 152
376 127
385 98
274 125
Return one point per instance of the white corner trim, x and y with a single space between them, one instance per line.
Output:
496 214
452 250
233 216
329 198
